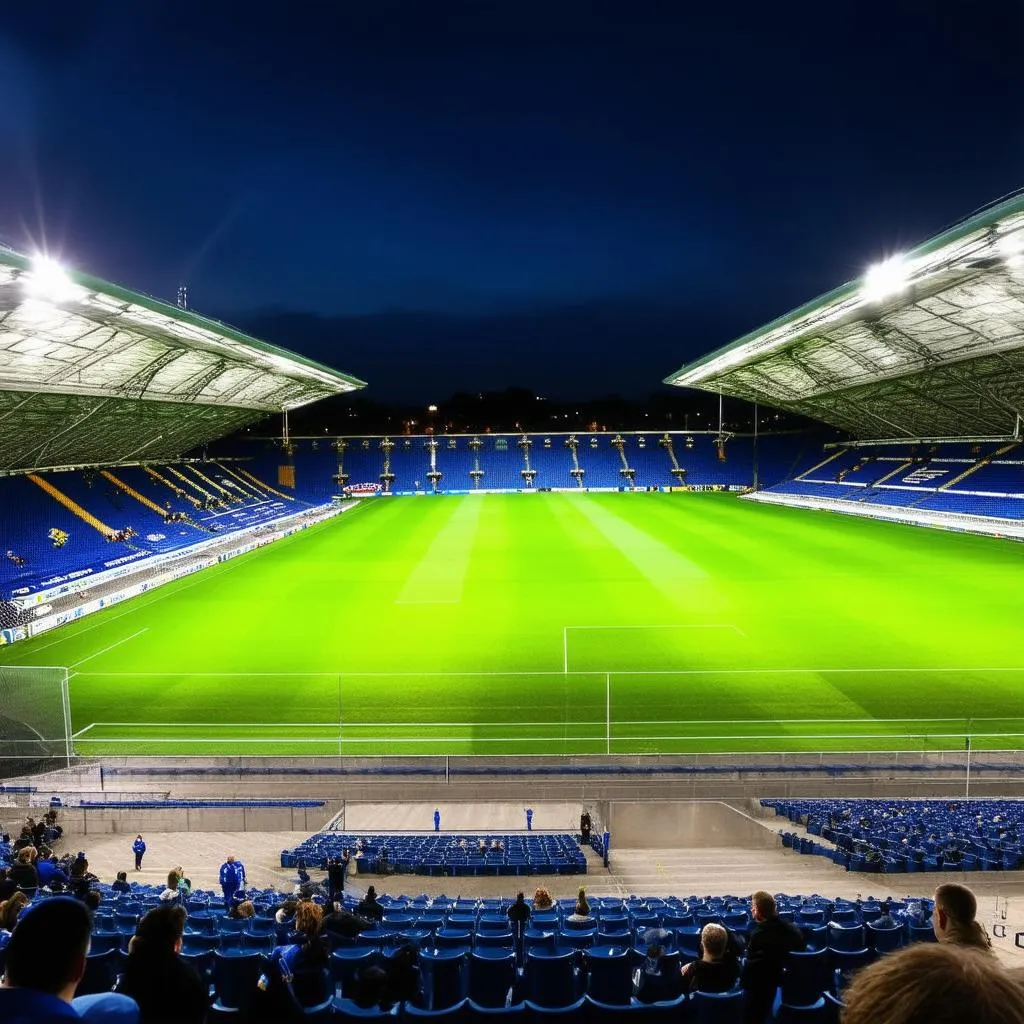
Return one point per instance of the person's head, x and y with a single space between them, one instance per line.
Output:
762 905
953 917
582 906
173 878
308 916
936 983
231 858
520 898
245 909
159 932
371 894
371 987
92 900
26 855
542 898
48 948
139 836
122 876
714 939
10 909
289 907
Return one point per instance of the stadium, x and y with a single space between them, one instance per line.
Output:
221 632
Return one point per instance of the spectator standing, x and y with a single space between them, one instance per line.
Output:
586 824
336 870
529 819
139 849
167 989
519 917
437 819
771 941
232 878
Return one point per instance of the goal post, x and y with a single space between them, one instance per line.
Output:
35 718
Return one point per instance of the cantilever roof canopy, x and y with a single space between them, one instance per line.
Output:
930 344
93 374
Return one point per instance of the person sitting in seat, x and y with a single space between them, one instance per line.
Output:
542 899
715 971
121 885
297 976
369 908
659 980
581 912
953 919
168 989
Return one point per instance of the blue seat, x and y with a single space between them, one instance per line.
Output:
104 941
345 963
453 1014
575 1011
884 940
848 961
805 977
345 1009
444 976
675 1010
845 937
475 1012
492 973
717 1007
494 940
815 1013
100 973
234 979
202 962
921 933
200 943
610 975
550 978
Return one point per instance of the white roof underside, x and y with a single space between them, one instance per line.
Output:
144 375
942 357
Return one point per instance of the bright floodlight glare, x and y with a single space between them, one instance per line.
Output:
1011 247
49 281
884 279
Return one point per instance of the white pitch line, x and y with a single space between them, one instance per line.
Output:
124 640
515 675
82 732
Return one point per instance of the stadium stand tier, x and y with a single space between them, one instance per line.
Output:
446 853
910 835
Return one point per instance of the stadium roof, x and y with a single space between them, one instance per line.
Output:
927 344
91 373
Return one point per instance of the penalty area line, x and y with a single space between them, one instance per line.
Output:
110 647
82 732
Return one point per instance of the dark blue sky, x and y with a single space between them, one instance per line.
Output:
573 197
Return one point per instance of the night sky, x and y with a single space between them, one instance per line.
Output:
440 196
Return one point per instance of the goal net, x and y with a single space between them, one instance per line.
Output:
35 718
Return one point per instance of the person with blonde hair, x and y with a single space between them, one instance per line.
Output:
934 983
715 971
953 919
581 912
542 899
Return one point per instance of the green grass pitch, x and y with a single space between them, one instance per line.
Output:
563 624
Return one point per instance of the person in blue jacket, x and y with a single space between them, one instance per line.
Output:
529 819
138 848
437 820
232 878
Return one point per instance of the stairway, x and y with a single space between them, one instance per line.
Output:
256 480
984 461
824 462
132 493
72 506
173 487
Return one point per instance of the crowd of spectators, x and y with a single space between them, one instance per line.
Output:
47 904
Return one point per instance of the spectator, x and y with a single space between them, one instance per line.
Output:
581 912
43 963
930 983
23 872
93 899
48 871
529 819
405 981
586 824
659 980
885 918
121 885
286 912
771 940
371 989
715 971
8 887
953 918
519 914
10 909
184 884
437 819
344 924
369 907
296 976
232 879
139 849
542 899
242 910
336 869
167 989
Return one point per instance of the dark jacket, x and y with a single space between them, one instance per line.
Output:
24 876
712 976
771 941
519 915
167 989
345 924
370 909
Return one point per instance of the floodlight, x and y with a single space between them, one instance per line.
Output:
49 281
1011 247
883 279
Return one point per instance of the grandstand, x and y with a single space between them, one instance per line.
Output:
921 364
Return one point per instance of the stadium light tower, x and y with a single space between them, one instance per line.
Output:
884 279
48 281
